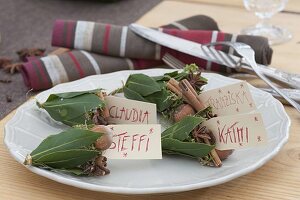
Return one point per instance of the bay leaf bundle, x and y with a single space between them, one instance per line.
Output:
175 95
73 108
70 151
178 139
154 89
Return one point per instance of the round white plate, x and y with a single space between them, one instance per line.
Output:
30 126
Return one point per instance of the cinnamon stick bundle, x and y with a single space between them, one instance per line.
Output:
187 92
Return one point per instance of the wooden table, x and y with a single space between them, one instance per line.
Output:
278 179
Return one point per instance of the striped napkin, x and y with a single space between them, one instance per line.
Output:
120 41
117 48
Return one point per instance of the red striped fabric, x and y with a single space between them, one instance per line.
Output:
106 39
78 67
46 82
215 66
70 33
141 53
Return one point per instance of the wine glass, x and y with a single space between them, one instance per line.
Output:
265 9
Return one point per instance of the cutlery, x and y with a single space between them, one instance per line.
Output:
213 55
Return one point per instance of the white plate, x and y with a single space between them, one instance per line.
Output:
30 126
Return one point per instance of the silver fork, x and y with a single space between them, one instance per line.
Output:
292 80
177 64
247 54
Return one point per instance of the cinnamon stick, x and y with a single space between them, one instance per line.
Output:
173 85
216 159
189 93
191 89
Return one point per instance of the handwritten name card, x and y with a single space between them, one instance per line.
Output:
229 100
135 142
239 131
126 111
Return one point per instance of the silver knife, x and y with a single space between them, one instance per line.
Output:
211 54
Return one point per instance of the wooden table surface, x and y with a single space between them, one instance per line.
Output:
278 179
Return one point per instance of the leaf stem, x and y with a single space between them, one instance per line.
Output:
116 91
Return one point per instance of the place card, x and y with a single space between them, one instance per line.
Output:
133 141
127 111
229 100
238 131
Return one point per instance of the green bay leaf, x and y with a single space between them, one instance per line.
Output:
130 94
167 76
183 128
69 139
142 84
68 95
193 149
65 109
161 99
66 158
78 120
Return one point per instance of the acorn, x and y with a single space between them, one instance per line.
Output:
223 154
182 111
105 140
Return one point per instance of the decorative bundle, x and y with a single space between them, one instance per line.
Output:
74 151
176 97
73 108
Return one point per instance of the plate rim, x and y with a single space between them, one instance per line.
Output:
131 190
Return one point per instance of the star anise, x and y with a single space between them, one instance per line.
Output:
196 80
26 52
5 61
201 133
96 167
13 67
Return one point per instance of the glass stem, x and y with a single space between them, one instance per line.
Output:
264 22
